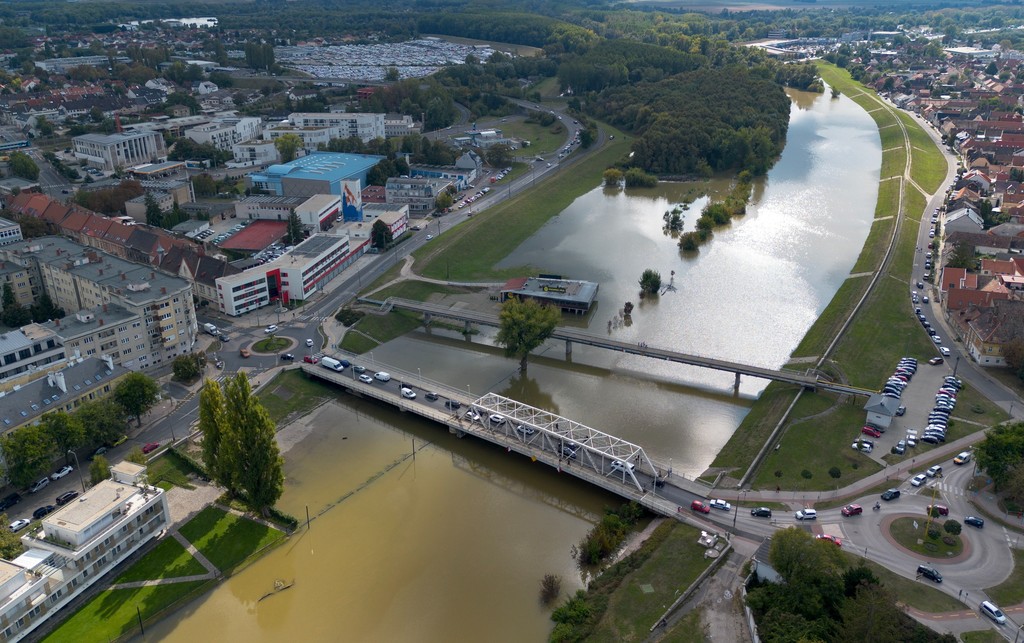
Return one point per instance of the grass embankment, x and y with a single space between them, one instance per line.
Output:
1011 590
912 593
930 165
747 440
292 392
373 330
226 540
615 606
418 290
813 446
475 246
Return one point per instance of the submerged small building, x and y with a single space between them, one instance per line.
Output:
568 295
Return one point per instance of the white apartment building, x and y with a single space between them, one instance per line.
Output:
9 232
365 126
121 149
313 138
76 546
225 132
399 125
30 348
255 153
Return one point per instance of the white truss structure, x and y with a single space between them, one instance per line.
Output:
574 443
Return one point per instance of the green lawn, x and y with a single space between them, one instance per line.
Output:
755 428
825 328
418 290
929 164
817 445
884 331
905 252
171 469
687 630
917 540
112 613
877 243
543 140
225 539
358 344
475 246
982 636
382 328
169 559
292 391
894 161
913 593
271 344
669 570
1011 590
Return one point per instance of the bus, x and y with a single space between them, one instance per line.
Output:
13 145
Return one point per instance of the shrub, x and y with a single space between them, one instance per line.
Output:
952 527
550 588
949 540
835 472
805 474
934 533
347 316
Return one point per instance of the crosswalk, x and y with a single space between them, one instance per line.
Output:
946 489
312 317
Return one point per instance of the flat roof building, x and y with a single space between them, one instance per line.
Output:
9 232
30 348
568 295
119 150
316 173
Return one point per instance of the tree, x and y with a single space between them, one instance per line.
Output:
295 234
45 310
65 430
154 215
443 200
28 452
137 393
136 455
1000 451
288 146
962 256
871 615
1013 353
10 542
188 367
13 315
254 454
499 155
204 185
99 470
22 165
391 74
214 425
525 324
952 527
650 281
612 177
103 420
380 235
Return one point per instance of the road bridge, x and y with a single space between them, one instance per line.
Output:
570 336
602 459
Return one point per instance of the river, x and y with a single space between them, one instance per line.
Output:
452 545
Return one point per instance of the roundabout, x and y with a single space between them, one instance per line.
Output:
910 532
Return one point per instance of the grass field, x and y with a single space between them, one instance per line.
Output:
543 140
418 290
816 445
169 559
909 537
225 539
169 468
113 612
894 161
291 391
755 428
982 636
929 165
475 246
877 242
909 592
380 329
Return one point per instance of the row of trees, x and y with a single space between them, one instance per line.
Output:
110 200
29 451
15 316
239 449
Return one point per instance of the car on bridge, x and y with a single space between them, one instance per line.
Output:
497 419
761 512
472 415
699 506
365 379
524 430
408 393
720 504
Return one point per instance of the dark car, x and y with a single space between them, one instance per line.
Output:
452 404
66 497
431 396
929 572
761 512
890 494
9 501
974 521
288 357
42 512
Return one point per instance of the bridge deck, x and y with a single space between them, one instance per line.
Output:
590 463
580 337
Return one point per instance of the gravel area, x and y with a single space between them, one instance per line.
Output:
185 503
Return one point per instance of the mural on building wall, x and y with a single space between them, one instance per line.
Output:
351 201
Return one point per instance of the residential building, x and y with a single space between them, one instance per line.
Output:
399 125
99 332
119 150
64 65
30 348
223 133
78 277
963 220
396 217
9 232
77 545
201 271
296 275
317 173
462 179
255 153
365 127
24 282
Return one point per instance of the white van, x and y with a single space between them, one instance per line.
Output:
990 610
381 376
331 363
619 465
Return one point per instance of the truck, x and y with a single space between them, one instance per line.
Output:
211 329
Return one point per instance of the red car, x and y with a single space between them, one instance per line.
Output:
831 539
872 431
852 510
938 510
309 359
697 505
151 447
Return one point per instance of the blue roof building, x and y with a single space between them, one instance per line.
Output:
316 173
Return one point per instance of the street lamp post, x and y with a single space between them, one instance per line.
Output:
956 366
79 467
419 374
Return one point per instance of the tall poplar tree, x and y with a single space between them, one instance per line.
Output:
255 457
213 422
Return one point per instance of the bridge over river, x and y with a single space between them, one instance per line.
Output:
572 448
572 336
